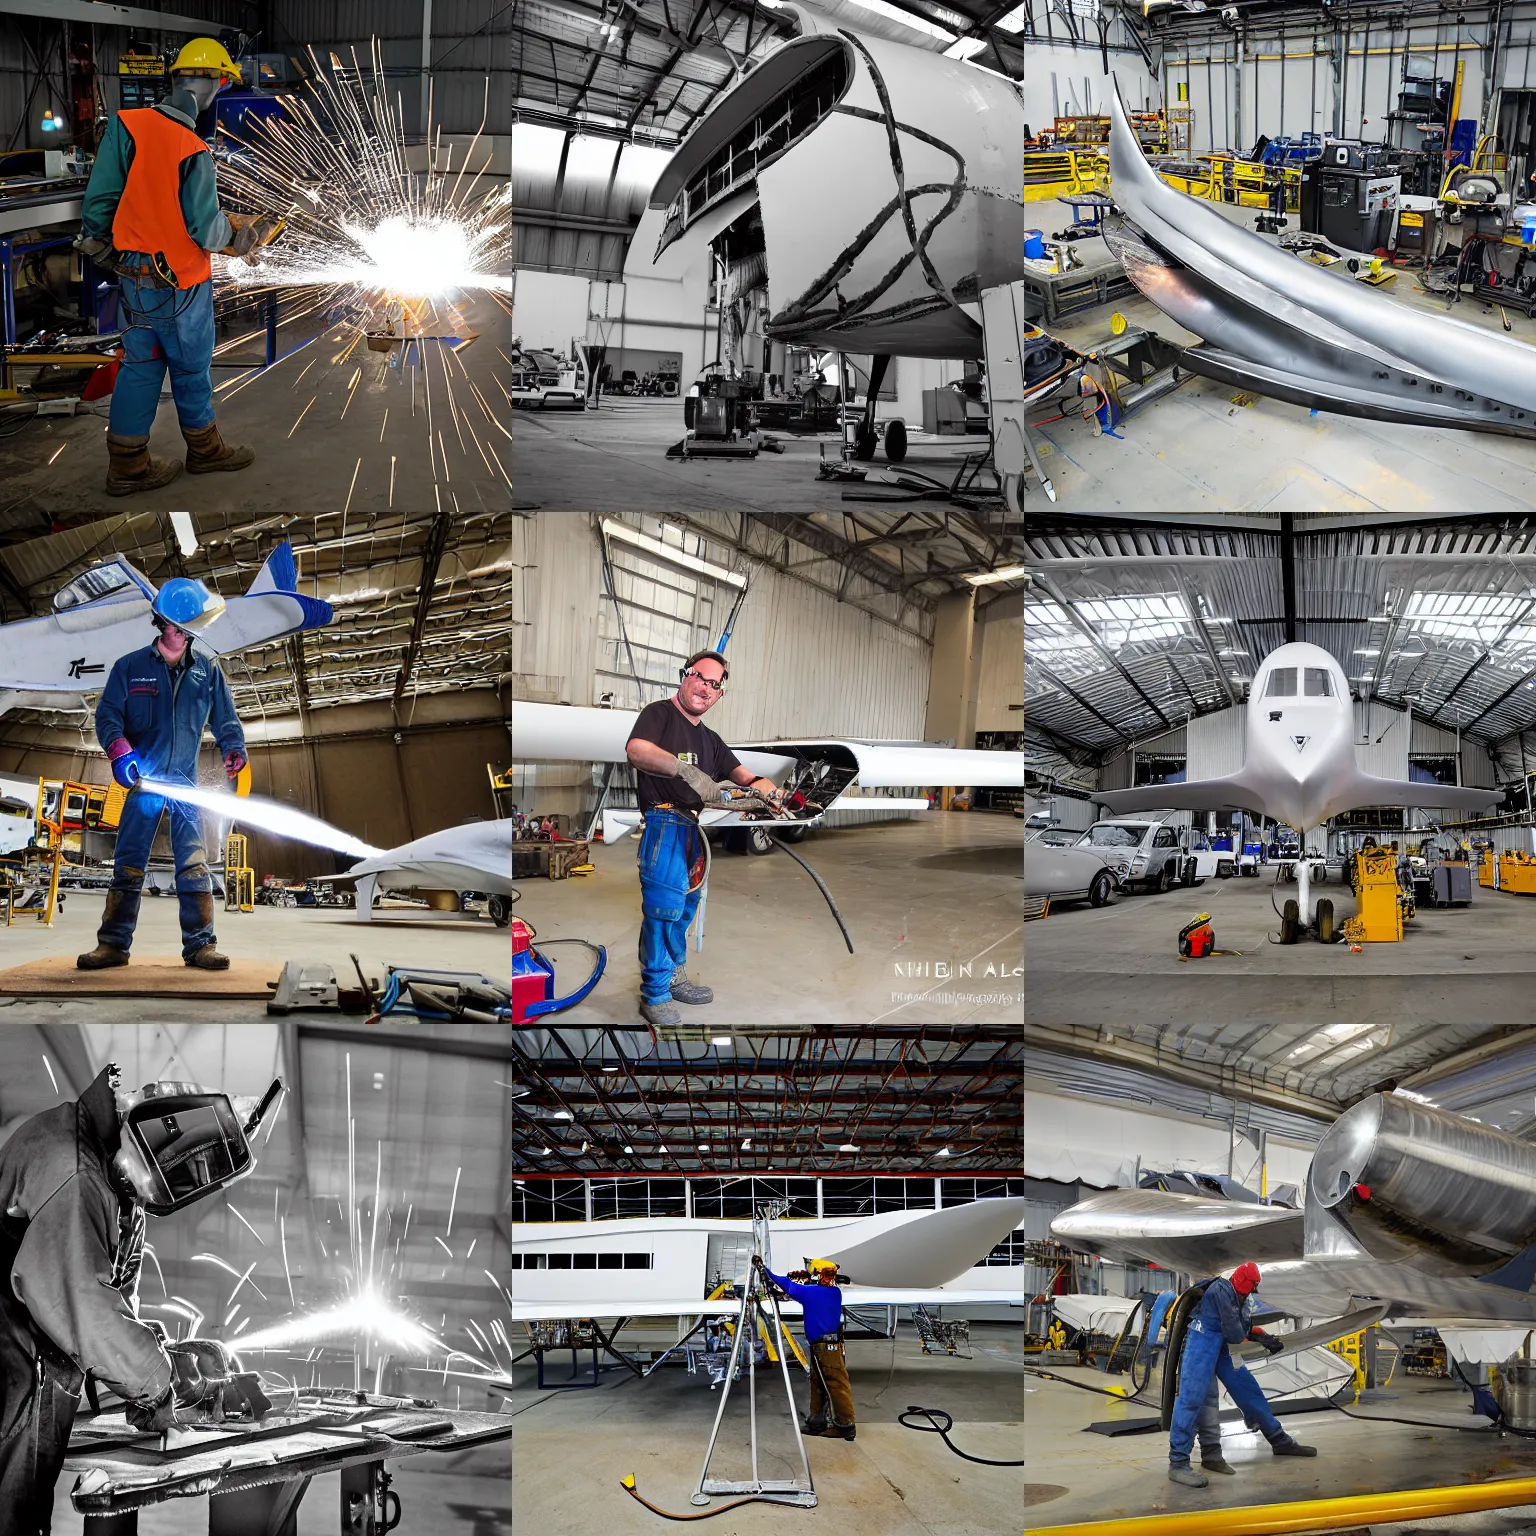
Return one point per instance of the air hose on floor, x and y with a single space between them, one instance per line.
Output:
934 1427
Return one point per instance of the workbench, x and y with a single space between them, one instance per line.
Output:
255 1475
556 860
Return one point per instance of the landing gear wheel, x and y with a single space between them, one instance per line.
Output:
1165 879
758 841
1101 889
864 443
896 441
501 911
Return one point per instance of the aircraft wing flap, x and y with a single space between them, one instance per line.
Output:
887 767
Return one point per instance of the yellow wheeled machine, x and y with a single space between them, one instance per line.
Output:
1381 904
239 876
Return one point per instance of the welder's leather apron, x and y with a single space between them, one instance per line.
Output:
39 1393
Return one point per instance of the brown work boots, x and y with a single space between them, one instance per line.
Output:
207 959
102 958
208 452
130 466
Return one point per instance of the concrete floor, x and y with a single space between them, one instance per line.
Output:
570 1448
614 459
937 891
468 1492
400 936
1075 1475
52 470
1121 961
1208 447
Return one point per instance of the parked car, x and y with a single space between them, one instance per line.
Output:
1155 855
1055 866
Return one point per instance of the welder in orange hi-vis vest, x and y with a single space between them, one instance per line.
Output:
151 213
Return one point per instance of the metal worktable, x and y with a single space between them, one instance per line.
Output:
256 1475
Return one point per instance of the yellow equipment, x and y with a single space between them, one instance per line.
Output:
239 876
205 56
1514 871
1379 897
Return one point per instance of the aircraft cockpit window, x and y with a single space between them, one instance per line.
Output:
1318 683
1282 684
91 585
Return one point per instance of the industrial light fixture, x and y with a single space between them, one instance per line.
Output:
610 1069
703 1146
628 535
542 1152
985 578
942 1152
585 1145
719 1039
630 1151
186 534
847 1146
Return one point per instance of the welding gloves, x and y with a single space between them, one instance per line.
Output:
125 763
701 784
200 1375
1271 1344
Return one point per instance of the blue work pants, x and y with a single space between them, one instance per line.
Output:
668 847
194 884
1206 1356
166 328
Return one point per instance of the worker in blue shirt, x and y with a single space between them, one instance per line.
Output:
823 1308
150 721
151 212
1223 1318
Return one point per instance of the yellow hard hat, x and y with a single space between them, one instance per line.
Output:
205 56
814 1264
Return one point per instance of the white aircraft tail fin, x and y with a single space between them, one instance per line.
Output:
1232 793
279 572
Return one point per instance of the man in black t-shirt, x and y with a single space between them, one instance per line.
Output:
680 765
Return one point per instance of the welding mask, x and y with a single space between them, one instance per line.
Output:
181 1142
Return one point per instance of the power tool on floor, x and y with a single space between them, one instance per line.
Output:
1197 938
533 977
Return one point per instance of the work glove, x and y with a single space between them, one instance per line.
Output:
125 763
98 248
700 783
199 1374
234 761
1271 1344
247 239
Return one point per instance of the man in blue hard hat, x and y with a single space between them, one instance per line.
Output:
150 722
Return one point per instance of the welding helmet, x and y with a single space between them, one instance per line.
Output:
187 604
181 1142
204 56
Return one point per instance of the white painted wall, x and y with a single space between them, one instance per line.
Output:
999 665
549 309
1061 80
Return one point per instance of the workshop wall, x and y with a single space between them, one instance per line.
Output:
1064 79
1477 765
998 665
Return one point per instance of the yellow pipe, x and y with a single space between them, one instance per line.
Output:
1314 1514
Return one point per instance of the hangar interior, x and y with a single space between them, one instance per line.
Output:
386 723
386 111
1142 642
901 628
659 278
1388 149
614 1132
402 1128
1226 1134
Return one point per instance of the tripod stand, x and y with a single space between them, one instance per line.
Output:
753 1324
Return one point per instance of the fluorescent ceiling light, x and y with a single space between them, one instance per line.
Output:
630 1151
186 534
847 1146
943 1152
628 535
719 1039
703 1146
610 1069
747 1144
561 1114
1008 573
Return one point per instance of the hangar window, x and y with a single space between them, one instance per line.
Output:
1318 684
617 1198
1282 684
638 1261
583 1261
560 1261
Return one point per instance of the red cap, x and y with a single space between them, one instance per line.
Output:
1245 1278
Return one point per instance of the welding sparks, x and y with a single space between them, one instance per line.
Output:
269 815
365 1316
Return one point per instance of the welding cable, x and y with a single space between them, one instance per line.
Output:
628 1485
1066 1381
934 1427
820 885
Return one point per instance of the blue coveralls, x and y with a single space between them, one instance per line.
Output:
669 846
161 712
1208 1425
1220 1319
164 328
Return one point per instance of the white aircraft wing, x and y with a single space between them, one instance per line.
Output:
476 856
1233 793
1426 797
853 1296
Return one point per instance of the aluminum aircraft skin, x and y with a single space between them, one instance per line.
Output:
910 163
1283 327
1411 1211
473 857
61 659
1299 758
899 1258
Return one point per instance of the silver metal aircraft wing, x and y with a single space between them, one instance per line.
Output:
1286 328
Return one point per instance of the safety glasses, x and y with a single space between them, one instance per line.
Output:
707 681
